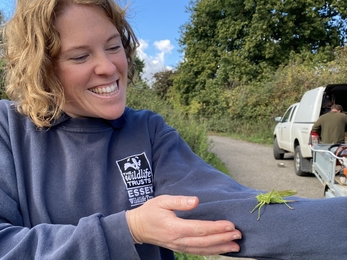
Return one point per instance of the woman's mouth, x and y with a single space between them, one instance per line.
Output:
106 90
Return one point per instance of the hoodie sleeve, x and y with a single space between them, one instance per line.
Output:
90 239
94 237
314 229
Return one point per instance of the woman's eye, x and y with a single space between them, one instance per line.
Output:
79 58
114 48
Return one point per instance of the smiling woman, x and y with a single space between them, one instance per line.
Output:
68 53
92 65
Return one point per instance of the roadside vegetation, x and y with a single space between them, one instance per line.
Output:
244 64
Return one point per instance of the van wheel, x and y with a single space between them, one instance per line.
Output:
278 152
298 162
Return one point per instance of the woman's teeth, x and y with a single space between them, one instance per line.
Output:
106 90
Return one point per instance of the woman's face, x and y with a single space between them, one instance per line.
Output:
92 65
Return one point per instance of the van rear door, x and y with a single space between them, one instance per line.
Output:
310 106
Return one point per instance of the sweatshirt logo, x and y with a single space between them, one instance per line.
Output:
138 178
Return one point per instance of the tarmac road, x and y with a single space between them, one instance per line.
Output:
253 165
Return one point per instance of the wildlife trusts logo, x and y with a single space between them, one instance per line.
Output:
138 178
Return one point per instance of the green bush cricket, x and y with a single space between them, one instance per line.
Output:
273 197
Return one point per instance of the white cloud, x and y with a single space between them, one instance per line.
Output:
164 46
154 63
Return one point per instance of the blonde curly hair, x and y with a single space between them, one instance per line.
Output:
32 44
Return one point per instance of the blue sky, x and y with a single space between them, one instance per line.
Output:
156 23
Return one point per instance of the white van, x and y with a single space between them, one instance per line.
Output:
292 134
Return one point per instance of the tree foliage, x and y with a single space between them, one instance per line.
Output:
139 66
163 81
230 42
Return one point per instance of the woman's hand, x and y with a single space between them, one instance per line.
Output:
155 223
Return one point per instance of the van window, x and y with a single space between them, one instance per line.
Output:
291 116
287 115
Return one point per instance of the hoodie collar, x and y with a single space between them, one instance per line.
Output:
89 122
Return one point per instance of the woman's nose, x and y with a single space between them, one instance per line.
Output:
104 65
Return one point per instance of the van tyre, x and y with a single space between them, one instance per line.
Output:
298 162
278 152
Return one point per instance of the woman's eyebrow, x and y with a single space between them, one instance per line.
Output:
114 36
81 47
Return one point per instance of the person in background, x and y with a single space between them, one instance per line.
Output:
82 176
327 106
331 126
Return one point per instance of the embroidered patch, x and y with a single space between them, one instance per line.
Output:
137 177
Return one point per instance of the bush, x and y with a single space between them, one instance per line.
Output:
181 256
254 105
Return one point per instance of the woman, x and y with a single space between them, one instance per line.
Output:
84 177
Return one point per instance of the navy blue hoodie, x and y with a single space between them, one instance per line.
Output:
64 192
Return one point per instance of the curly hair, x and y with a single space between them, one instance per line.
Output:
32 44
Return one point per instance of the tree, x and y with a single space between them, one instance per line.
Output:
163 81
233 41
139 66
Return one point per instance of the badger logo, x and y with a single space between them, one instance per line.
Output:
135 164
